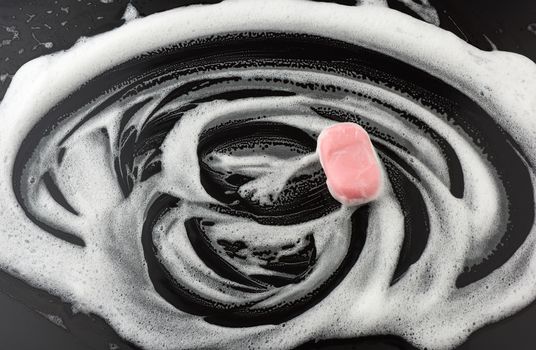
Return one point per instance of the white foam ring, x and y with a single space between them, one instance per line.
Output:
108 276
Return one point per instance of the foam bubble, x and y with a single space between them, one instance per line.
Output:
199 170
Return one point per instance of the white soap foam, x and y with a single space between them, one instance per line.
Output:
424 9
130 12
109 277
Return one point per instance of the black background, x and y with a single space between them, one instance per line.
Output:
25 27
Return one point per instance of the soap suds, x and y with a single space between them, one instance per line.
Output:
111 196
532 28
130 12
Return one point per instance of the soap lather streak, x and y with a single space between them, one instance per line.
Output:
270 173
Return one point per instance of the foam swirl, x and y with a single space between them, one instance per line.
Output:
176 177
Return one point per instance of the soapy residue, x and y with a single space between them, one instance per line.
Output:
162 176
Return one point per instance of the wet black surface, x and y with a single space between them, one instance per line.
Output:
29 29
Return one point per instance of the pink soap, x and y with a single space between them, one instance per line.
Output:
353 171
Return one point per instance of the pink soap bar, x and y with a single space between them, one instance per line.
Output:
353 171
